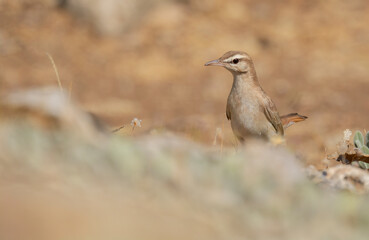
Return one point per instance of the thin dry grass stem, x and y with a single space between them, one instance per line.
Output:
222 140
118 129
235 142
70 90
215 137
56 71
219 133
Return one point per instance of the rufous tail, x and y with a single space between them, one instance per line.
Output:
292 118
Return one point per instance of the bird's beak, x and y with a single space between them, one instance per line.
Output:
215 63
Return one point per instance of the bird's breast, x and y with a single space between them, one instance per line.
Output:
247 116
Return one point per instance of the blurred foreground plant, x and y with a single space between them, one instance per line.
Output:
362 144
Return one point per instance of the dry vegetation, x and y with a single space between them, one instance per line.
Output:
63 175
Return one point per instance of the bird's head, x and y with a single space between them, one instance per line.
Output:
235 61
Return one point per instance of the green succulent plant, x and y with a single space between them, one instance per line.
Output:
358 139
364 165
363 144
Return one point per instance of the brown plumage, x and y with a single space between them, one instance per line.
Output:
250 110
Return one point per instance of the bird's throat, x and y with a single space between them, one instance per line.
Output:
245 82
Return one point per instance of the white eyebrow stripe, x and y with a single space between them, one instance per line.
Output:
238 56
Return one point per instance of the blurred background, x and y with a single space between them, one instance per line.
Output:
63 178
122 59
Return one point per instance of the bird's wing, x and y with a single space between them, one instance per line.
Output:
272 115
228 112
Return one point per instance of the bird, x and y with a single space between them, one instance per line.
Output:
251 111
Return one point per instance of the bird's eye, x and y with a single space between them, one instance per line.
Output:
235 61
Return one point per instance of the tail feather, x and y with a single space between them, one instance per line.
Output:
292 118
